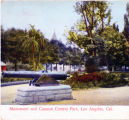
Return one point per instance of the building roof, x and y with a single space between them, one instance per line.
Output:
54 36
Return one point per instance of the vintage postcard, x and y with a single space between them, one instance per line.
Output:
64 60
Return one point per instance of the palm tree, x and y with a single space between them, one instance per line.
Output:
31 45
36 45
41 43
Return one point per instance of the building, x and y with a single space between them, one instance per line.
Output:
3 66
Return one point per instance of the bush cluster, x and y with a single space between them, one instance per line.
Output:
19 67
115 80
90 80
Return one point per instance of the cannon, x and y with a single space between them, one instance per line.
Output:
39 78
43 88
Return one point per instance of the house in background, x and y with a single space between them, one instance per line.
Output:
3 66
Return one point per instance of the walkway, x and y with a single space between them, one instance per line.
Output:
98 96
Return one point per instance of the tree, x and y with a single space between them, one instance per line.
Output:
126 23
95 16
11 50
67 55
27 47
52 53
3 45
115 46
126 33
115 27
30 45
38 48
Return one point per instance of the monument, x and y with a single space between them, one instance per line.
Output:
43 88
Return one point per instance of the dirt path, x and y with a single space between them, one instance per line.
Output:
98 96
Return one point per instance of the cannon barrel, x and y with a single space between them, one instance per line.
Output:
34 75
19 74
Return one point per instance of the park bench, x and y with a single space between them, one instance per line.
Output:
38 77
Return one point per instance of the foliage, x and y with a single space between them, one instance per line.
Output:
33 48
90 80
32 43
29 47
91 65
11 46
88 77
99 39
115 46
84 80
20 66
95 16
111 46
67 55
126 32
126 23
114 80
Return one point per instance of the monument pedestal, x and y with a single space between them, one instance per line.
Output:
32 94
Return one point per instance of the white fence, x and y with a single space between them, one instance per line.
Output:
66 68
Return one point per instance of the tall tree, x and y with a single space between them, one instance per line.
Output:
126 23
30 45
95 16
126 32
11 50
115 46
3 45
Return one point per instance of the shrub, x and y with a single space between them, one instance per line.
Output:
23 66
88 77
114 80
96 80
19 66
83 81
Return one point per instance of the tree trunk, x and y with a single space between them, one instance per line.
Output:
56 66
51 67
106 62
29 60
89 31
39 57
33 61
33 56
102 25
15 66
85 21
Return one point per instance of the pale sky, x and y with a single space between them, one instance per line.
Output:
50 16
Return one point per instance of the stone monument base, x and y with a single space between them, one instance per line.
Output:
32 94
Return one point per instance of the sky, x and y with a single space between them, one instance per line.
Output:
50 17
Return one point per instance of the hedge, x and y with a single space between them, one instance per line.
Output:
101 79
